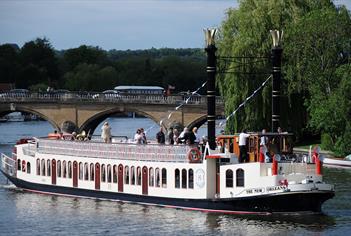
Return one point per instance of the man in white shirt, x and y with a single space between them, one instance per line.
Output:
242 146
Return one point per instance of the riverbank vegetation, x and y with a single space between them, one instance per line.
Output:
316 63
316 85
38 65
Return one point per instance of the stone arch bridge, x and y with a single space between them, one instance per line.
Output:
74 111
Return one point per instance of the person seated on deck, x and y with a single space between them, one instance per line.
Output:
74 136
187 137
82 136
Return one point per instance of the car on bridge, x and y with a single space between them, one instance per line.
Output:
107 94
16 93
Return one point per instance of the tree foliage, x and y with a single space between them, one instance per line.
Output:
316 52
37 65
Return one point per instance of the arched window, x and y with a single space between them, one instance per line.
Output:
64 169
28 167
132 175
115 173
240 179
38 166
92 171
229 178
138 176
109 174
103 173
58 165
184 175
48 168
177 178
151 177
157 176
164 178
126 175
80 170
43 167
19 164
191 178
86 171
70 170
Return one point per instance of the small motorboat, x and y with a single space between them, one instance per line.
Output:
337 162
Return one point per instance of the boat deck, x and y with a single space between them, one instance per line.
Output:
125 151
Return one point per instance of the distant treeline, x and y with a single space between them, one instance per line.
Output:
37 65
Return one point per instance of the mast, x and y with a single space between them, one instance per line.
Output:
211 86
276 56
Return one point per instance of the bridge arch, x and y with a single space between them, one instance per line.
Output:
201 120
34 112
93 122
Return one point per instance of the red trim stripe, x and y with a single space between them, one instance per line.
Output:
213 157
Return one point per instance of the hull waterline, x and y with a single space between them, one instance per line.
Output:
287 202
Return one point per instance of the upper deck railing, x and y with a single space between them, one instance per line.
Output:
123 151
95 97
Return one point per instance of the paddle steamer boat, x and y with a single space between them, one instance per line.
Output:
206 178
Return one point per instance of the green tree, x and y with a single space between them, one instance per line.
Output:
318 47
38 64
84 54
9 63
316 43
90 77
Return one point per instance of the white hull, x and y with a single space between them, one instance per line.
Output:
165 175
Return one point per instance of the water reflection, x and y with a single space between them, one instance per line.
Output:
56 215
62 213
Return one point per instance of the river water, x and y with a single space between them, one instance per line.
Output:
23 213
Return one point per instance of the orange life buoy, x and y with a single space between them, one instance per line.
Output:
194 155
54 136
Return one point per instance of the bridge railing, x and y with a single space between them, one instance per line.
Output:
95 97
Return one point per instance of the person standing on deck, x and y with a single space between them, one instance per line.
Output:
106 133
170 136
242 146
143 135
197 138
138 137
176 136
160 137
263 145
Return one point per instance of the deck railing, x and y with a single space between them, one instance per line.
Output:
125 151
8 165
289 168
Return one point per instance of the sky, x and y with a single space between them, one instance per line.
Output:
113 24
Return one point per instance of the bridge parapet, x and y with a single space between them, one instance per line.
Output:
92 97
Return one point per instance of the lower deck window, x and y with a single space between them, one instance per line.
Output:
229 178
240 181
177 178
